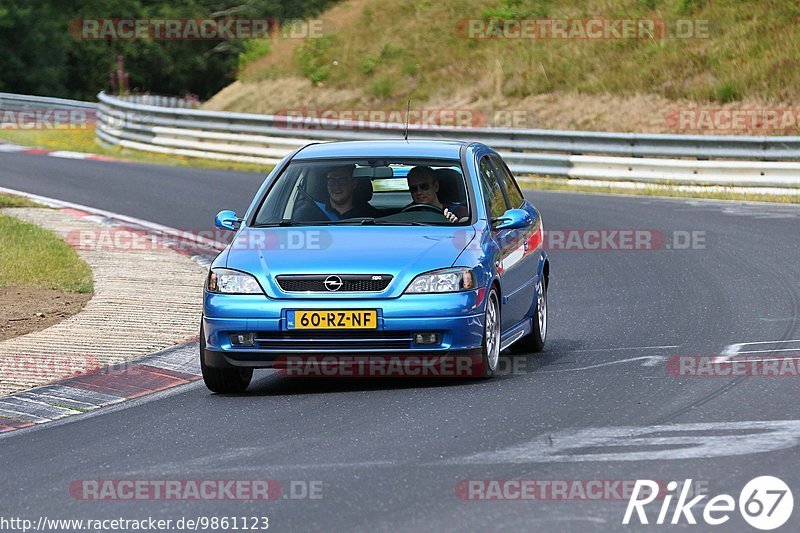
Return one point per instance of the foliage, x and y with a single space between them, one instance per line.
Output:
41 56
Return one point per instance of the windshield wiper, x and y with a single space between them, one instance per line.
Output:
354 222
283 223
374 222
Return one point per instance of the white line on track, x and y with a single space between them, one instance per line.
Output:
53 202
4 147
648 358
631 348
70 155
770 351
732 350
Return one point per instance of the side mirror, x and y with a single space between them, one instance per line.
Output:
227 220
512 219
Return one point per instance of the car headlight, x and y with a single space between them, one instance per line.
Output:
446 280
226 281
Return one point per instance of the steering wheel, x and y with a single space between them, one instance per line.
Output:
421 207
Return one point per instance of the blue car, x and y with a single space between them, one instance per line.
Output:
409 258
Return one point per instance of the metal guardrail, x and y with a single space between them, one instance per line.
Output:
760 161
23 101
160 100
267 138
19 111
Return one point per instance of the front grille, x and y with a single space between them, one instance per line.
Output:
349 282
333 341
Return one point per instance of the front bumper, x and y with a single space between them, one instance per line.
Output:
457 318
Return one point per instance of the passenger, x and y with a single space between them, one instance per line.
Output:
424 186
342 201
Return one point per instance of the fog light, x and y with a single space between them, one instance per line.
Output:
427 338
243 339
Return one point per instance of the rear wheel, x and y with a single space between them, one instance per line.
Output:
534 341
491 335
223 380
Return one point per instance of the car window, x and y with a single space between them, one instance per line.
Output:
387 191
492 192
515 198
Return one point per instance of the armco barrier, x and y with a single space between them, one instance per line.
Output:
759 161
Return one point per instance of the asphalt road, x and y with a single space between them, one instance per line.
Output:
390 454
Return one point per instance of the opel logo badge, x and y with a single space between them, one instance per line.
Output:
333 283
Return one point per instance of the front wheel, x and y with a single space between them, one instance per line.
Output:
223 380
534 341
491 335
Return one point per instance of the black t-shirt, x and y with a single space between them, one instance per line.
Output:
358 211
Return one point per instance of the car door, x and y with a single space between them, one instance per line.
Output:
520 265
496 205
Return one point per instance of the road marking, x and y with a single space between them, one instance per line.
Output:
173 232
652 360
4 147
766 342
646 443
771 351
760 360
70 155
734 349
655 360
631 348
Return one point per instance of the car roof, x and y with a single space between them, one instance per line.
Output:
393 148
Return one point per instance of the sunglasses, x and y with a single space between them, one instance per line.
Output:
419 187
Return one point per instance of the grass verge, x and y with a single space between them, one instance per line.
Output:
664 191
712 51
9 200
36 257
84 140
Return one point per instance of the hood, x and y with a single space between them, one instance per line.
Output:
400 251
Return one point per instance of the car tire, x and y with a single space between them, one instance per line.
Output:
534 341
491 336
223 380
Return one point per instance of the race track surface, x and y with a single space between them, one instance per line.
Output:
390 453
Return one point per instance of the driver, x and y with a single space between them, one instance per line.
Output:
424 186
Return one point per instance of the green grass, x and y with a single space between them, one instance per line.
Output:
557 184
84 140
72 407
732 50
9 200
35 257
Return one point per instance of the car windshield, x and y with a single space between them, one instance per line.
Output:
367 192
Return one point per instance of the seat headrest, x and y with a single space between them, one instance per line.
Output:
451 186
363 192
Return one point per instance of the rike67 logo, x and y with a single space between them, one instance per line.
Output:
765 503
